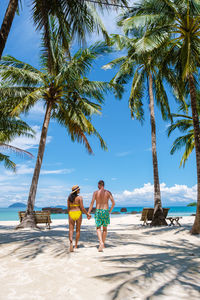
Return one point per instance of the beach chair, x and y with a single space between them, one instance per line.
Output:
147 215
41 217
174 221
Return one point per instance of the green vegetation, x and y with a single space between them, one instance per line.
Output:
162 44
173 28
75 18
11 127
192 204
143 70
65 90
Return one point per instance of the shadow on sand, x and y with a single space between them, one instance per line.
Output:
28 244
160 271
166 271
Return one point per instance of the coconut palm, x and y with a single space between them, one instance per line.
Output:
7 23
143 71
179 21
78 17
11 127
66 92
184 124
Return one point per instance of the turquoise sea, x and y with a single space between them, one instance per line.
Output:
11 214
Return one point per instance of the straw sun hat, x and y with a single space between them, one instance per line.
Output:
75 188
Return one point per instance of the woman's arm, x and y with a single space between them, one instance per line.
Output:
68 206
92 203
83 208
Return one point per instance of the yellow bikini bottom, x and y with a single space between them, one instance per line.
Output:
75 215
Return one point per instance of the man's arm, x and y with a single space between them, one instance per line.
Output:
92 202
113 202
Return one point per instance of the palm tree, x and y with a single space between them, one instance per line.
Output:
143 71
77 17
185 124
179 22
11 127
65 91
7 23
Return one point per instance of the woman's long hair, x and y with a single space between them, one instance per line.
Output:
72 196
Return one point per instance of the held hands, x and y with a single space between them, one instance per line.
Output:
89 216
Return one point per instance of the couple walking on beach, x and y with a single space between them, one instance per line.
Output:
102 213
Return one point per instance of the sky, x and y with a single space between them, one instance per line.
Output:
126 167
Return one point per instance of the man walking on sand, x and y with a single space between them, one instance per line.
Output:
102 214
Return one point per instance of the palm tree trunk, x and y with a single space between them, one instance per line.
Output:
29 220
7 23
196 226
158 217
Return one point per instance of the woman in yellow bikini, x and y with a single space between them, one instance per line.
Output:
75 209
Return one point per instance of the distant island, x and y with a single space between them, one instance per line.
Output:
17 204
192 204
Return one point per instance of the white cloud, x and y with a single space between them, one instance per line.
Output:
122 154
109 20
47 195
174 194
52 194
61 171
3 178
26 143
21 170
87 197
25 170
38 108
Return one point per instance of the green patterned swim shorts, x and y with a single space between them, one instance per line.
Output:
102 217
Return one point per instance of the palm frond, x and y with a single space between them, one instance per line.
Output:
7 162
17 73
136 95
15 149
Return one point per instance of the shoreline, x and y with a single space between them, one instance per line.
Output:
113 216
7 214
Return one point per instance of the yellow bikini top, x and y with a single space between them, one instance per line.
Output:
74 205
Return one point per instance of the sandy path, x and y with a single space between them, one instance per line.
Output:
138 263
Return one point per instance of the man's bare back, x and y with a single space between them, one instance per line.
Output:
102 197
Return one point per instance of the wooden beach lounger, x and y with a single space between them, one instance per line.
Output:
40 217
147 215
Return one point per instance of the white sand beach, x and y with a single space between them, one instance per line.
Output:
138 263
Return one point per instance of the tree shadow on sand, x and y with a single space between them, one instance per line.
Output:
28 244
171 274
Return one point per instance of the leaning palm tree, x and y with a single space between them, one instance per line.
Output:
78 17
7 23
10 128
66 92
143 71
179 21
